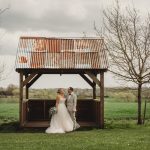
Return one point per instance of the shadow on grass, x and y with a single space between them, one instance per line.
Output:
13 127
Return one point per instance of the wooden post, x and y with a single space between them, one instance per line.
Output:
144 112
102 100
27 89
94 90
21 100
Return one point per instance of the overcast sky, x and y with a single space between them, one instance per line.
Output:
52 18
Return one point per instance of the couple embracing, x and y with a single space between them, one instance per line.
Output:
65 118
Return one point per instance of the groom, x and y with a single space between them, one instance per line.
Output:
71 106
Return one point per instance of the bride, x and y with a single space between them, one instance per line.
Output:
61 122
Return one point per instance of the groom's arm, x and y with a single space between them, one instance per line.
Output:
75 103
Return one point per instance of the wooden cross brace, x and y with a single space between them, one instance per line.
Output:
87 80
93 77
31 79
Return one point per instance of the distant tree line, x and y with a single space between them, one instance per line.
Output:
119 94
11 90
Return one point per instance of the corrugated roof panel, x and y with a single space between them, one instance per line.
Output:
66 53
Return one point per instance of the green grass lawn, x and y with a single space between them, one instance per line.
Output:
109 139
120 133
123 110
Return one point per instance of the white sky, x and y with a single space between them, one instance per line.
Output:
52 18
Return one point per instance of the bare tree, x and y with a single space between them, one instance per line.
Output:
2 66
128 42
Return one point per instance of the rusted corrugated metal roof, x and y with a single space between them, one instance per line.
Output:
64 53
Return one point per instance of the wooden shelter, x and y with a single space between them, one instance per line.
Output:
83 56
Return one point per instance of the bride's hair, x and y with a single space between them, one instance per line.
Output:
60 90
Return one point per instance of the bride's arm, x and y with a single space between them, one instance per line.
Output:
57 102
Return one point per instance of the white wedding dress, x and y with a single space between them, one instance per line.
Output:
61 122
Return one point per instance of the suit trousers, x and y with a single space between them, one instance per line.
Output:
73 117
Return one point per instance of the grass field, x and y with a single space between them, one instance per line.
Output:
121 131
111 139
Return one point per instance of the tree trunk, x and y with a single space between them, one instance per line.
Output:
139 104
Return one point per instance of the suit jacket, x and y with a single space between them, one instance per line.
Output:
71 102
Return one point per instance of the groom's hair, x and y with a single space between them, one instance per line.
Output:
71 88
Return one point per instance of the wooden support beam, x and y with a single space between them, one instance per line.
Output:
21 99
102 100
87 80
33 80
94 90
93 77
27 89
28 79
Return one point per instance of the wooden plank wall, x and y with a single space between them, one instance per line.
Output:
87 110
